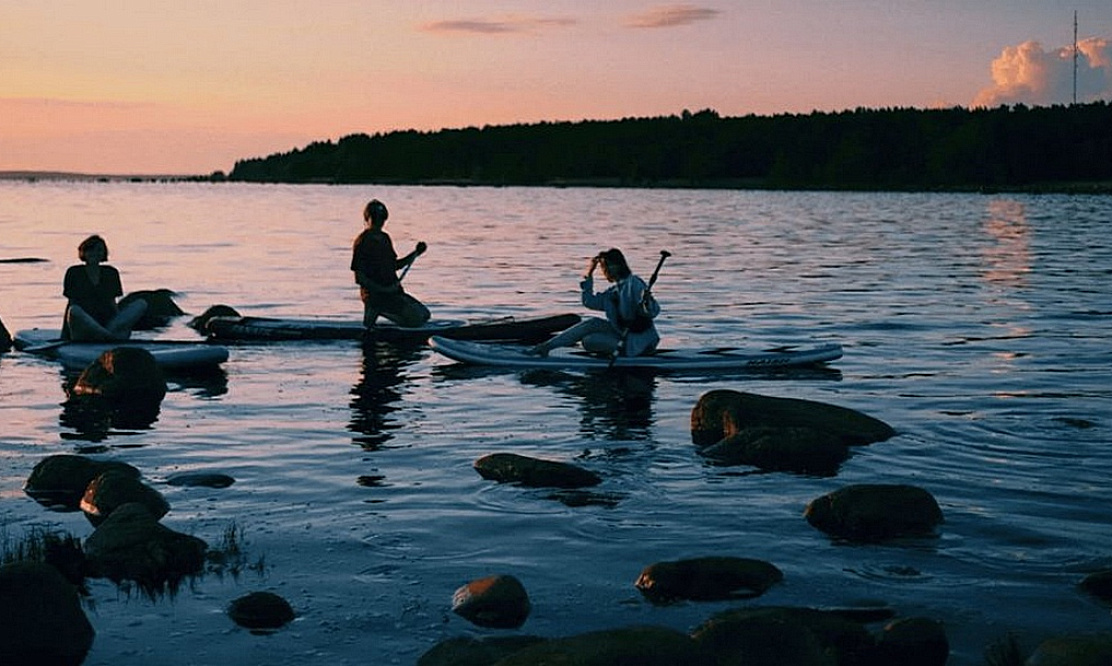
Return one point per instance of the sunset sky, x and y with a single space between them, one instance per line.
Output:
174 87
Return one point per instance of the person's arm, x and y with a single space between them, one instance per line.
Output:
411 257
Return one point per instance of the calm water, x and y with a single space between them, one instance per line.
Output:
978 326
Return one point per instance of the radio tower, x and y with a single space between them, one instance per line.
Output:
1075 57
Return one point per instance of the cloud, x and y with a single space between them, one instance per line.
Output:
1028 74
486 26
668 16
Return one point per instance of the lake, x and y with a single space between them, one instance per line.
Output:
978 326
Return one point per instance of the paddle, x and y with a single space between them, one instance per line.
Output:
418 252
664 254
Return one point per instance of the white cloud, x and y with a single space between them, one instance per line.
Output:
1028 74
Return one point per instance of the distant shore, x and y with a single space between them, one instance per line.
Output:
1101 187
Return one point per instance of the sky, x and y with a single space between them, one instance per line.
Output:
189 87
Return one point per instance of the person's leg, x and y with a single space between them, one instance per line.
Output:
126 319
597 335
408 312
83 328
370 314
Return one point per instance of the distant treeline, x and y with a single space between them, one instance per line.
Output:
1015 147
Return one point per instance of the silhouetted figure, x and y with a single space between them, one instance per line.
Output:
376 267
91 290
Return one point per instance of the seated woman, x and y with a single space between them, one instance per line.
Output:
628 329
91 289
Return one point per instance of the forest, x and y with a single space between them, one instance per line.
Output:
1058 148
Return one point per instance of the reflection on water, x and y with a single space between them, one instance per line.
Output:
616 405
95 419
375 396
1008 259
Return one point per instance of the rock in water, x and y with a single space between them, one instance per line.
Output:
498 602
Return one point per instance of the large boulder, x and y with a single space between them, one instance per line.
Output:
123 375
498 602
42 619
643 646
534 472
161 308
132 545
722 413
707 579
112 489
874 512
59 481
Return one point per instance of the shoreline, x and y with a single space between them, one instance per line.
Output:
756 185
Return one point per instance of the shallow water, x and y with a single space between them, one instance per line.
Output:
977 326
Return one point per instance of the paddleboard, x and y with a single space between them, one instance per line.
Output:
278 329
171 355
515 356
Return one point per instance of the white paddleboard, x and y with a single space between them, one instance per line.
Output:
171 355
515 356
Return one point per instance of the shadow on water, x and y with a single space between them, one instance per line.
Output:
375 396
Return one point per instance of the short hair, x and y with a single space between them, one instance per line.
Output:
89 243
375 210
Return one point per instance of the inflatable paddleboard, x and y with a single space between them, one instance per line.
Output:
277 329
515 356
171 355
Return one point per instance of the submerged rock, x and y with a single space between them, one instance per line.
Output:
466 651
1073 650
43 622
914 641
643 646
201 479
261 611
132 545
498 602
873 512
776 636
790 449
61 480
721 413
707 579
534 472
1098 584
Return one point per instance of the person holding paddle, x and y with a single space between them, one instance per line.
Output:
376 268
628 328
91 289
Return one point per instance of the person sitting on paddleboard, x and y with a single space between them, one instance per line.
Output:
91 289
628 328
376 268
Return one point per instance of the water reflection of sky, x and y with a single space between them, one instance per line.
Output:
1007 259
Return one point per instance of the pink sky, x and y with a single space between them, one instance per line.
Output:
167 87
